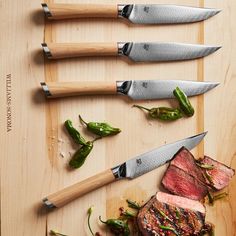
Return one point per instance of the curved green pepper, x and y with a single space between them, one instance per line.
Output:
74 133
117 226
100 129
163 113
80 156
184 102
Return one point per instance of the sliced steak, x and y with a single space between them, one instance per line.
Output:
178 215
219 176
179 182
184 160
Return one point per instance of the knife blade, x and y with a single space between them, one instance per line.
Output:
135 13
135 51
135 89
130 169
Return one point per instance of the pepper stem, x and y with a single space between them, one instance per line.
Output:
82 120
100 218
141 107
53 232
89 215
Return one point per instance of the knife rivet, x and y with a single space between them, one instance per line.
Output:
146 9
145 84
139 162
146 47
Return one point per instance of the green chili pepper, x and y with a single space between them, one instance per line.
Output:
208 177
133 204
74 133
169 228
100 129
80 156
53 232
90 210
184 102
163 113
129 214
117 226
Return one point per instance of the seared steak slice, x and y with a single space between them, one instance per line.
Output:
184 160
167 214
179 182
219 176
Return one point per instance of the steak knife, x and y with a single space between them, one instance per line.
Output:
131 169
135 51
135 13
135 89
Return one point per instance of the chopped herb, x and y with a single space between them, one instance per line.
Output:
205 166
210 198
177 214
90 210
56 233
169 228
208 177
219 196
133 204
164 215
213 198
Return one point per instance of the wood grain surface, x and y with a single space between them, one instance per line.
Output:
35 148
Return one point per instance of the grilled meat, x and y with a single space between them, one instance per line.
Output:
186 178
167 214
220 174
179 182
184 160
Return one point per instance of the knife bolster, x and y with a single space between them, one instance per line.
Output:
124 48
124 10
123 86
119 171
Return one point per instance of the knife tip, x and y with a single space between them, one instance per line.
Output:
201 135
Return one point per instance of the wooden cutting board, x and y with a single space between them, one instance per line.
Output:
35 148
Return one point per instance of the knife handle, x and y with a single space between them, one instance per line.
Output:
68 50
57 11
72 192
65 89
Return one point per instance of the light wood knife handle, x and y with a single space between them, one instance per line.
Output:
57 11
63 89
67 50
72 192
